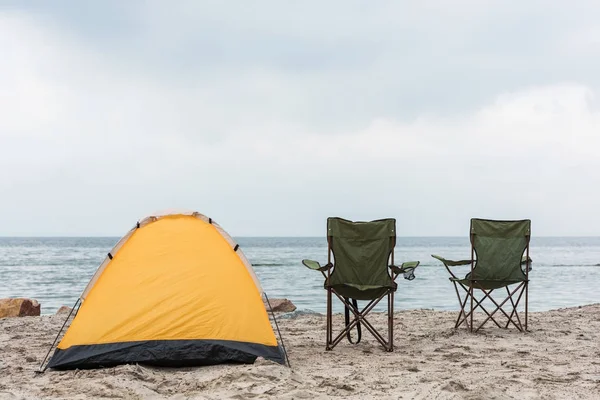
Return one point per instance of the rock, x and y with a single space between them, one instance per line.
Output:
19 308
63 310
281 305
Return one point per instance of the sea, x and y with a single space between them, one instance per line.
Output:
55 270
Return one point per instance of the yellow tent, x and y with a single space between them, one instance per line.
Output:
175 291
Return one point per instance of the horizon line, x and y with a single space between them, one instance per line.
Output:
264 236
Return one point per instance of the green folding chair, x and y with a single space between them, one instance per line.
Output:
360 266
499 259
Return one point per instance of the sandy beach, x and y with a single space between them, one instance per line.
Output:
558 359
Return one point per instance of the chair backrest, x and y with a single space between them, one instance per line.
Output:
499 247
361 251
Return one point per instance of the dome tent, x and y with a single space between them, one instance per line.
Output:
176 290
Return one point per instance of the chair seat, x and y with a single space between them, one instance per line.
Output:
361 292
486 284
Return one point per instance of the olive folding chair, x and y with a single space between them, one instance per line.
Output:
360 266
499 259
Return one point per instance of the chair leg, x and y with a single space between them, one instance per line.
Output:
499 308
391 321
471 295
359 315
340 336
462 304
526 301
515 305
514 311
478 304
465 316
376 334
329 322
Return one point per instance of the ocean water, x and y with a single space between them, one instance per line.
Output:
566 271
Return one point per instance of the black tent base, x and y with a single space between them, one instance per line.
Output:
164 353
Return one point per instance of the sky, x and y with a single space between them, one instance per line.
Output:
270 116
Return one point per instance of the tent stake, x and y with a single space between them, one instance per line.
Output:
42 368
278 331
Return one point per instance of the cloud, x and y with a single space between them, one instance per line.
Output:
92 140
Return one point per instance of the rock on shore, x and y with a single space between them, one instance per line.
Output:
281 305
19 307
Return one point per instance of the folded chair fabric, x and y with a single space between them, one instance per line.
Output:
361 267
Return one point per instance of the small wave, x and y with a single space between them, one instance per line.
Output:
268 265
539 264
572 265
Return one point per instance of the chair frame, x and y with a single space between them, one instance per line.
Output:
359 315
467 317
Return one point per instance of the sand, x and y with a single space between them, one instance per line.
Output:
558 359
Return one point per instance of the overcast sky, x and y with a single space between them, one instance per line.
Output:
269 116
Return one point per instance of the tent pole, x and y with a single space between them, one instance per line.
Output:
42 368
278 331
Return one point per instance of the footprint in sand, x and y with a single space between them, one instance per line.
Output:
454 386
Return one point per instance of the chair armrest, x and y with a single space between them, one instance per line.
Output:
410 264
451 263
316 266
